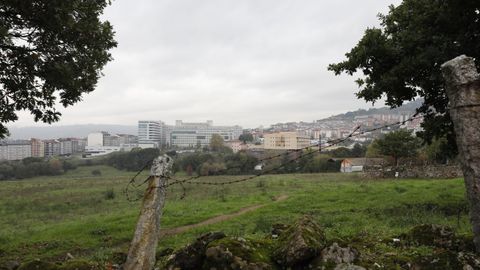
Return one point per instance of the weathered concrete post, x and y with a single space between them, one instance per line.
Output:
463 91
141 255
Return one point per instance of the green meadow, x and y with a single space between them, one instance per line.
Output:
89 216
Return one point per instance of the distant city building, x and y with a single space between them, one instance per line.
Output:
38 147
237 146
103 143
199 134
96 138
52 148
151 134
69 146
82 143
127 139
285 141
15 149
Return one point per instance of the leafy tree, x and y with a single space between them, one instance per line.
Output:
209 168
401 59
341 152
6 171
55 166
439 151
240 163
398 144
50 49
358 150
246 137
216 143
133 160
373 150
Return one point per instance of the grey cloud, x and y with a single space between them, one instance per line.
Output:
246 62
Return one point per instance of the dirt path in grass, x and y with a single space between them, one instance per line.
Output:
173 231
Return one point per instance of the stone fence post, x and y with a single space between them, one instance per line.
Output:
141 255
463 91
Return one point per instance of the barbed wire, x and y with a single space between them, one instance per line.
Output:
319 147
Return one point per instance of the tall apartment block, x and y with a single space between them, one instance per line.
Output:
38 147
15 149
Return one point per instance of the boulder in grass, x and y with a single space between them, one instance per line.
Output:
192 256
235 253
300 243
338 255
77 265
431 235
10 265
38 265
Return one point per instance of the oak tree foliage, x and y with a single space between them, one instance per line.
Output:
51 51
401 59
398 144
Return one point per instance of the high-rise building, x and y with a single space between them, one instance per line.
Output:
68 146
38 147
52 148
151 134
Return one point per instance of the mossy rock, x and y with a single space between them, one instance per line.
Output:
10 265
77 265
300 243
431 235
239 253
119 257
192 256
38 265
445 260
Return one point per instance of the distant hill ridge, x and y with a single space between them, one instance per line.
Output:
80 131
409 107
76 131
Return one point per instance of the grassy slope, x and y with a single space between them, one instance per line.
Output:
48 217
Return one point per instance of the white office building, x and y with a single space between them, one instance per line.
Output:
102 143
151 134
188 135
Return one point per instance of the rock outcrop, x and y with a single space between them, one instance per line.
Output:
301 242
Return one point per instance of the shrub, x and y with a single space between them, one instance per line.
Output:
96 172
109 194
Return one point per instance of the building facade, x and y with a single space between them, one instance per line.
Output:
52 148
103 143
285 141
15 149
151 134
190 135
38 147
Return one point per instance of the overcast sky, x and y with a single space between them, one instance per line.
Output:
246 62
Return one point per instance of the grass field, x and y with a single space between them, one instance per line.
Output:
89 216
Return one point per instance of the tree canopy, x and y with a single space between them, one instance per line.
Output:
246 137
49 50
217 143
401 60
398 144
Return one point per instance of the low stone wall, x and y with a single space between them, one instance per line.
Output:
425 171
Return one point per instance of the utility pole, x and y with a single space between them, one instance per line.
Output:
463 91
141 255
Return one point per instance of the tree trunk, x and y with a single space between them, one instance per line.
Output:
141 255
463 91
